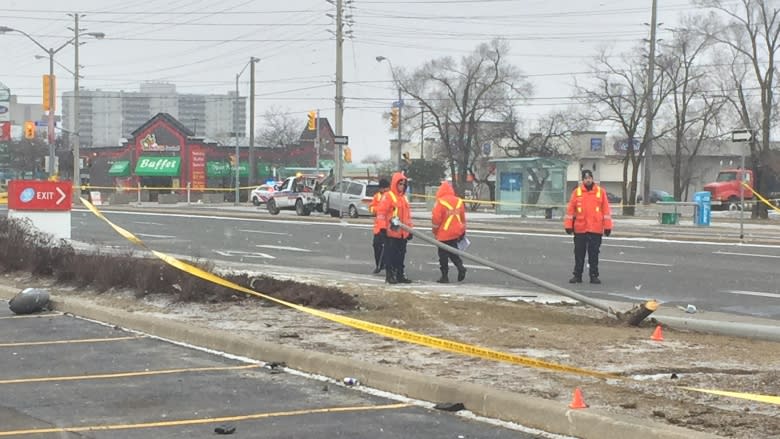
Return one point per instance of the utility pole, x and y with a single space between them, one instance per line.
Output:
76 113
648 166
52 95
339 86
235 133
252 164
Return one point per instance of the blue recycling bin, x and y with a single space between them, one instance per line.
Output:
702 213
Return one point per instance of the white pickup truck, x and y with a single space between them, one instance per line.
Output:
301 193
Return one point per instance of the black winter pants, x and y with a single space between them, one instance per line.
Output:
590 243
395 253
379 248
445 256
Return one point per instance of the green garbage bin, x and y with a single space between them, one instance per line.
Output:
669 217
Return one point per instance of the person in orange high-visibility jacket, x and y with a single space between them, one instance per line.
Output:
380 232
395 205
449 227
589 217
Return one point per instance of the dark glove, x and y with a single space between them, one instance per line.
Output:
569 231
607 232
409 238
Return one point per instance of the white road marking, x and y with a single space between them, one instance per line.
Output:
148 223
753 293
473 267
149 235
745 254
282 247
243 254
622 245
263 232
634 262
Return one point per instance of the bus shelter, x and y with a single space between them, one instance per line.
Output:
530 185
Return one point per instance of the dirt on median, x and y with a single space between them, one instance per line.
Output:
571 335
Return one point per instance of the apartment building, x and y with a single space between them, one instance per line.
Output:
106 118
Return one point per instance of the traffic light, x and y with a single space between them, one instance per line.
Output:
312 120
394 117
29 130
48 91
347 155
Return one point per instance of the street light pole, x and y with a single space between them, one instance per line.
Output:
252 161
400 108
252 60
52 87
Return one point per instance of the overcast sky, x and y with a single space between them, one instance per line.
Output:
200 45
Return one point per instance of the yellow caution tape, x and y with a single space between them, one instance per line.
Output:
386 331
769 399
408 336
761 197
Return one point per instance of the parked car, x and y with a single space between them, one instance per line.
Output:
613 199
656 195
262 193
350 197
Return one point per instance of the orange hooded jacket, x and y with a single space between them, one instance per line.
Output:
449 214
378 225
588 210
394 204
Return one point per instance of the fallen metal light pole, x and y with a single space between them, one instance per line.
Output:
633 316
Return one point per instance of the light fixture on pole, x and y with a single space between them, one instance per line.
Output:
50 83
399 105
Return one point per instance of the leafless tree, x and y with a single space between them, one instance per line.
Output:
617 97
750 29
459 96
279 128
691 113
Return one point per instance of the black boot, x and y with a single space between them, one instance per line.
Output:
390 276
377 270
443 279
577 279
594 279
461 273
401 278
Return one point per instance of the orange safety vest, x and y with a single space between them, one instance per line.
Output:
455 223
379 224
588 211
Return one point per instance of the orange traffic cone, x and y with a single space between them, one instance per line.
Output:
658 334
577 401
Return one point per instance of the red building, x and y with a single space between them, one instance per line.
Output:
164 154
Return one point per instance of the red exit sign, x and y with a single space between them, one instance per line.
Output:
39 195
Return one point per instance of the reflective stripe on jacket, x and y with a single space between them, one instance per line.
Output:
379 225
448 218
394 204
588 211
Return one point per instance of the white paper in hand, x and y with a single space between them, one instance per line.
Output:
463 244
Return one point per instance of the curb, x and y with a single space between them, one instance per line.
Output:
529 411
